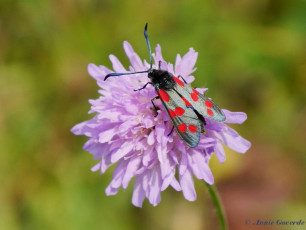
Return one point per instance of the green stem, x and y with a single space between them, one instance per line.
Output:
218 205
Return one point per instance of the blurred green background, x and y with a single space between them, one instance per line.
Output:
251 57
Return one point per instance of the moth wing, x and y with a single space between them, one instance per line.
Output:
199 102
184 119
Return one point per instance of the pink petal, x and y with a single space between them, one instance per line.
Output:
175 184
187 186
170 68
167 180
130 170
183 163
161 153
80 128
118 174
158 55
134 58
189 79
177 63
96 167
148 156
201 90
235 142
125 149
164 66
110 191
184 66
220 152
151 138
155 188
105 164
107 135
117 66
199 167
96 72
139 193
234 117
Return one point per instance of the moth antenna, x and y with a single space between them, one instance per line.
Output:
148 44
119 74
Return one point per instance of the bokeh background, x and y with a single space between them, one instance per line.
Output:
251 57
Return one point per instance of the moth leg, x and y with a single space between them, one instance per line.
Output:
182 79
171 131
203 130
143 86
155 107
159 64
202 121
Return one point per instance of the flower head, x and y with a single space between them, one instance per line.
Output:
125 131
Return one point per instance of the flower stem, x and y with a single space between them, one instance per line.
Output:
218 205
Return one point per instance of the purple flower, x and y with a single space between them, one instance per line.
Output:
125 132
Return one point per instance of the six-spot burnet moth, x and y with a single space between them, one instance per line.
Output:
186 107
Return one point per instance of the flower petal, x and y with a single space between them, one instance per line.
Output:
121 152
131 168
118 174
117 66
158 55
139 193
133 57
233 141
151 138
97 72
80 128
220 152
110 191
183 164
187 186
234 117
167 180
199 167
155 187
184 66
107 135
176 185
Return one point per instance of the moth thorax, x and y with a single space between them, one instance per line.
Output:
163 79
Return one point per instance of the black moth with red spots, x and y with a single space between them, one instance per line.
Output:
186 107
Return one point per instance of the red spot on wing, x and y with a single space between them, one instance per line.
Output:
186 102
193 128
208 104
178 81
194 97
172 113
163 95
195 92
210 112
179 111
182 128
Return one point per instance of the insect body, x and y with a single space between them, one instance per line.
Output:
186 107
